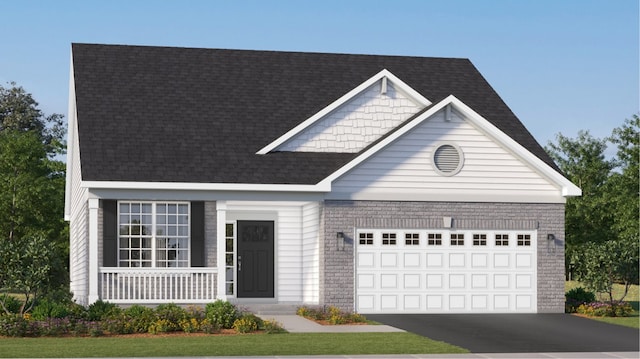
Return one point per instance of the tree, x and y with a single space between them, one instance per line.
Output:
624 184
26 267
606 263
588 218
31 196
19 112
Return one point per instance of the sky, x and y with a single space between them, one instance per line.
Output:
561 65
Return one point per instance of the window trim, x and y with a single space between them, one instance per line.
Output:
154 236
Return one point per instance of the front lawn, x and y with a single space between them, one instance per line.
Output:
226 345
633 297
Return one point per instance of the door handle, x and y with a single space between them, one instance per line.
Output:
239 264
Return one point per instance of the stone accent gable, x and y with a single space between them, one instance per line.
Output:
357 123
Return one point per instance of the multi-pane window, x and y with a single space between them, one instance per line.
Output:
524 239
153 234
434 239
135 237
479 239
229 258
365 238
172 234
502 239
389 239
412 239
457 239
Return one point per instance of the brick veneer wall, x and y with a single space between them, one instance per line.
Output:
337 266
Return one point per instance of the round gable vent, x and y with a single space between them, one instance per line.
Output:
447 159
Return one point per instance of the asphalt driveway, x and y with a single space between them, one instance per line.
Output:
517 333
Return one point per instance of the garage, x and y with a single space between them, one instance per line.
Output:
445 271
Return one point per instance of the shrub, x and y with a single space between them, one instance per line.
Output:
221 313
247 323
139 318
190 325
172 315
13 325
577 296
209 327
160 326
272 327
333 315
600 309
119 323
11 303
100 310
49 309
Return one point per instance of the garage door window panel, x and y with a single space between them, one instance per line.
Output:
434 239
412 239
457 239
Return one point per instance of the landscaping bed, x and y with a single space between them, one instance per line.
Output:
105 319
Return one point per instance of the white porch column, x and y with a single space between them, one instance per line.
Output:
94 206
221 224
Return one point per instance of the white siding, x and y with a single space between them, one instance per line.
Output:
357 123
403 170
294 229
78 229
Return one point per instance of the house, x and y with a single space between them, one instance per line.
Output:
381 184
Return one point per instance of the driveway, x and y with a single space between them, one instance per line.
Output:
517 333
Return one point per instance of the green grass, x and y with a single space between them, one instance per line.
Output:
633 297
226 345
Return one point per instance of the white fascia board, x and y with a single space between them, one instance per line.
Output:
71 136
568 188
342 100
246 187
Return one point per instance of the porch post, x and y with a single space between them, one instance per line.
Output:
221 225
94 205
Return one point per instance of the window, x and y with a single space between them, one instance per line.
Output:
153 234
447 159
229 258
502 239
434 239
389 239
457 239
412 239
524 240
479 239
365 238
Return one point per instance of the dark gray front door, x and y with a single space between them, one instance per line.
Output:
255 259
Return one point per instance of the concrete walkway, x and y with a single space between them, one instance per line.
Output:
297 324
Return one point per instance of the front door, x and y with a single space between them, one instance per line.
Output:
255 259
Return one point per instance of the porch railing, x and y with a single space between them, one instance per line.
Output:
157 285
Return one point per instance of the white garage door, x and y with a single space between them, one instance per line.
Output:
423 271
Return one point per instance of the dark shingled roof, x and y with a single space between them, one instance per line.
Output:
166 114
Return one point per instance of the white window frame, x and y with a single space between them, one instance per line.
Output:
154 235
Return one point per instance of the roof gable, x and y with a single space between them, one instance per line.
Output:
426 141
356 119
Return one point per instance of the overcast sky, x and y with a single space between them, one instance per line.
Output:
560 65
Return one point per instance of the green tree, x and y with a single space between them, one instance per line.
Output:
31 195
26 268
606 263
624 184
20 112
587 219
